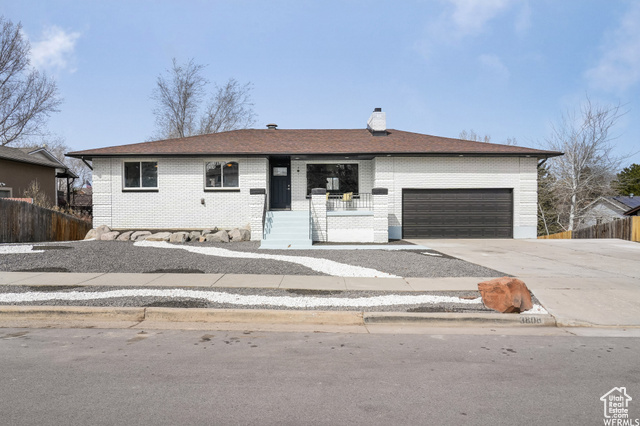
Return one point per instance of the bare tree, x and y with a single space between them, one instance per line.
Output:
57 146
471 135
179 95
229 109
548 216
27 97
588 165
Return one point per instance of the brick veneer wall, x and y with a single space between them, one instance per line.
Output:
177 202
319 214
350 228
257 207
520 174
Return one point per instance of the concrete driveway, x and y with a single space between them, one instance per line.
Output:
581 282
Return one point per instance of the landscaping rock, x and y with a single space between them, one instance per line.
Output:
179 237
507 295
109 236
125 236
91 234
102 229
194 235
159 236
218 237
140 235
202 238
239 235
206 232
235 235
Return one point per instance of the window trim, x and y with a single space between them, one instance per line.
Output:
7 188
220 188
139 188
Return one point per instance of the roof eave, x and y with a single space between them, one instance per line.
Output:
90 156
29 161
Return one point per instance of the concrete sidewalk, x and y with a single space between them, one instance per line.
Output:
306 282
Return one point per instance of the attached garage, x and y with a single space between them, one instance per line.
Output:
457 213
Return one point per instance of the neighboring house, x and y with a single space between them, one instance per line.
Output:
21 166
369 184
606 209
633 212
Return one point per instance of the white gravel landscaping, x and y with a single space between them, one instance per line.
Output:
21 249
250 300
239 299
325 266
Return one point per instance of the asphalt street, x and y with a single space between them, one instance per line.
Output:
105 377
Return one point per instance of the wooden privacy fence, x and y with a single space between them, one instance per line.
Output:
625 229
22 222
566 235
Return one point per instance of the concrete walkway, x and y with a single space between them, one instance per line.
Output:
580 282
310 282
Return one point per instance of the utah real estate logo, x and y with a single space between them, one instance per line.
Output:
616 408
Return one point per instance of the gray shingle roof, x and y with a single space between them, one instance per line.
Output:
22 155
630 202
312 142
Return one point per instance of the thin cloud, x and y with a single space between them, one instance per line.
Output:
523 20
471 16
460 19
494 65
55 50
619 66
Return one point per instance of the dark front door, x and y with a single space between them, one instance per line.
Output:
280 175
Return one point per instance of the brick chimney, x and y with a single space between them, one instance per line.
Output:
377 123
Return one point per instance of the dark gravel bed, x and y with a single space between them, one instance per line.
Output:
115 256
181 302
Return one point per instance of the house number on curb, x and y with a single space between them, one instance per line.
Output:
530 320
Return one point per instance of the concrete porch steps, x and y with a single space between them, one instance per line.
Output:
287 229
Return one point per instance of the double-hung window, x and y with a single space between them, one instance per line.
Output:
221 174
140 175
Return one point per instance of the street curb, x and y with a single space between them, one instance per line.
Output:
71 313
271 316
460 319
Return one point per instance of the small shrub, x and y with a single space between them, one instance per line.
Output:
39 197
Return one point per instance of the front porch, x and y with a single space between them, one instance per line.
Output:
329 217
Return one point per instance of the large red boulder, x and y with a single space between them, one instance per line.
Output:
507 295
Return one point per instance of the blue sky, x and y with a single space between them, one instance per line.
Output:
507 68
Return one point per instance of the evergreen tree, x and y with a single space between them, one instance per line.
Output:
628 180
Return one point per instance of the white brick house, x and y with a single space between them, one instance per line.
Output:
397 184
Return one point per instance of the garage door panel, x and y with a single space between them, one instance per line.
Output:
457 213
